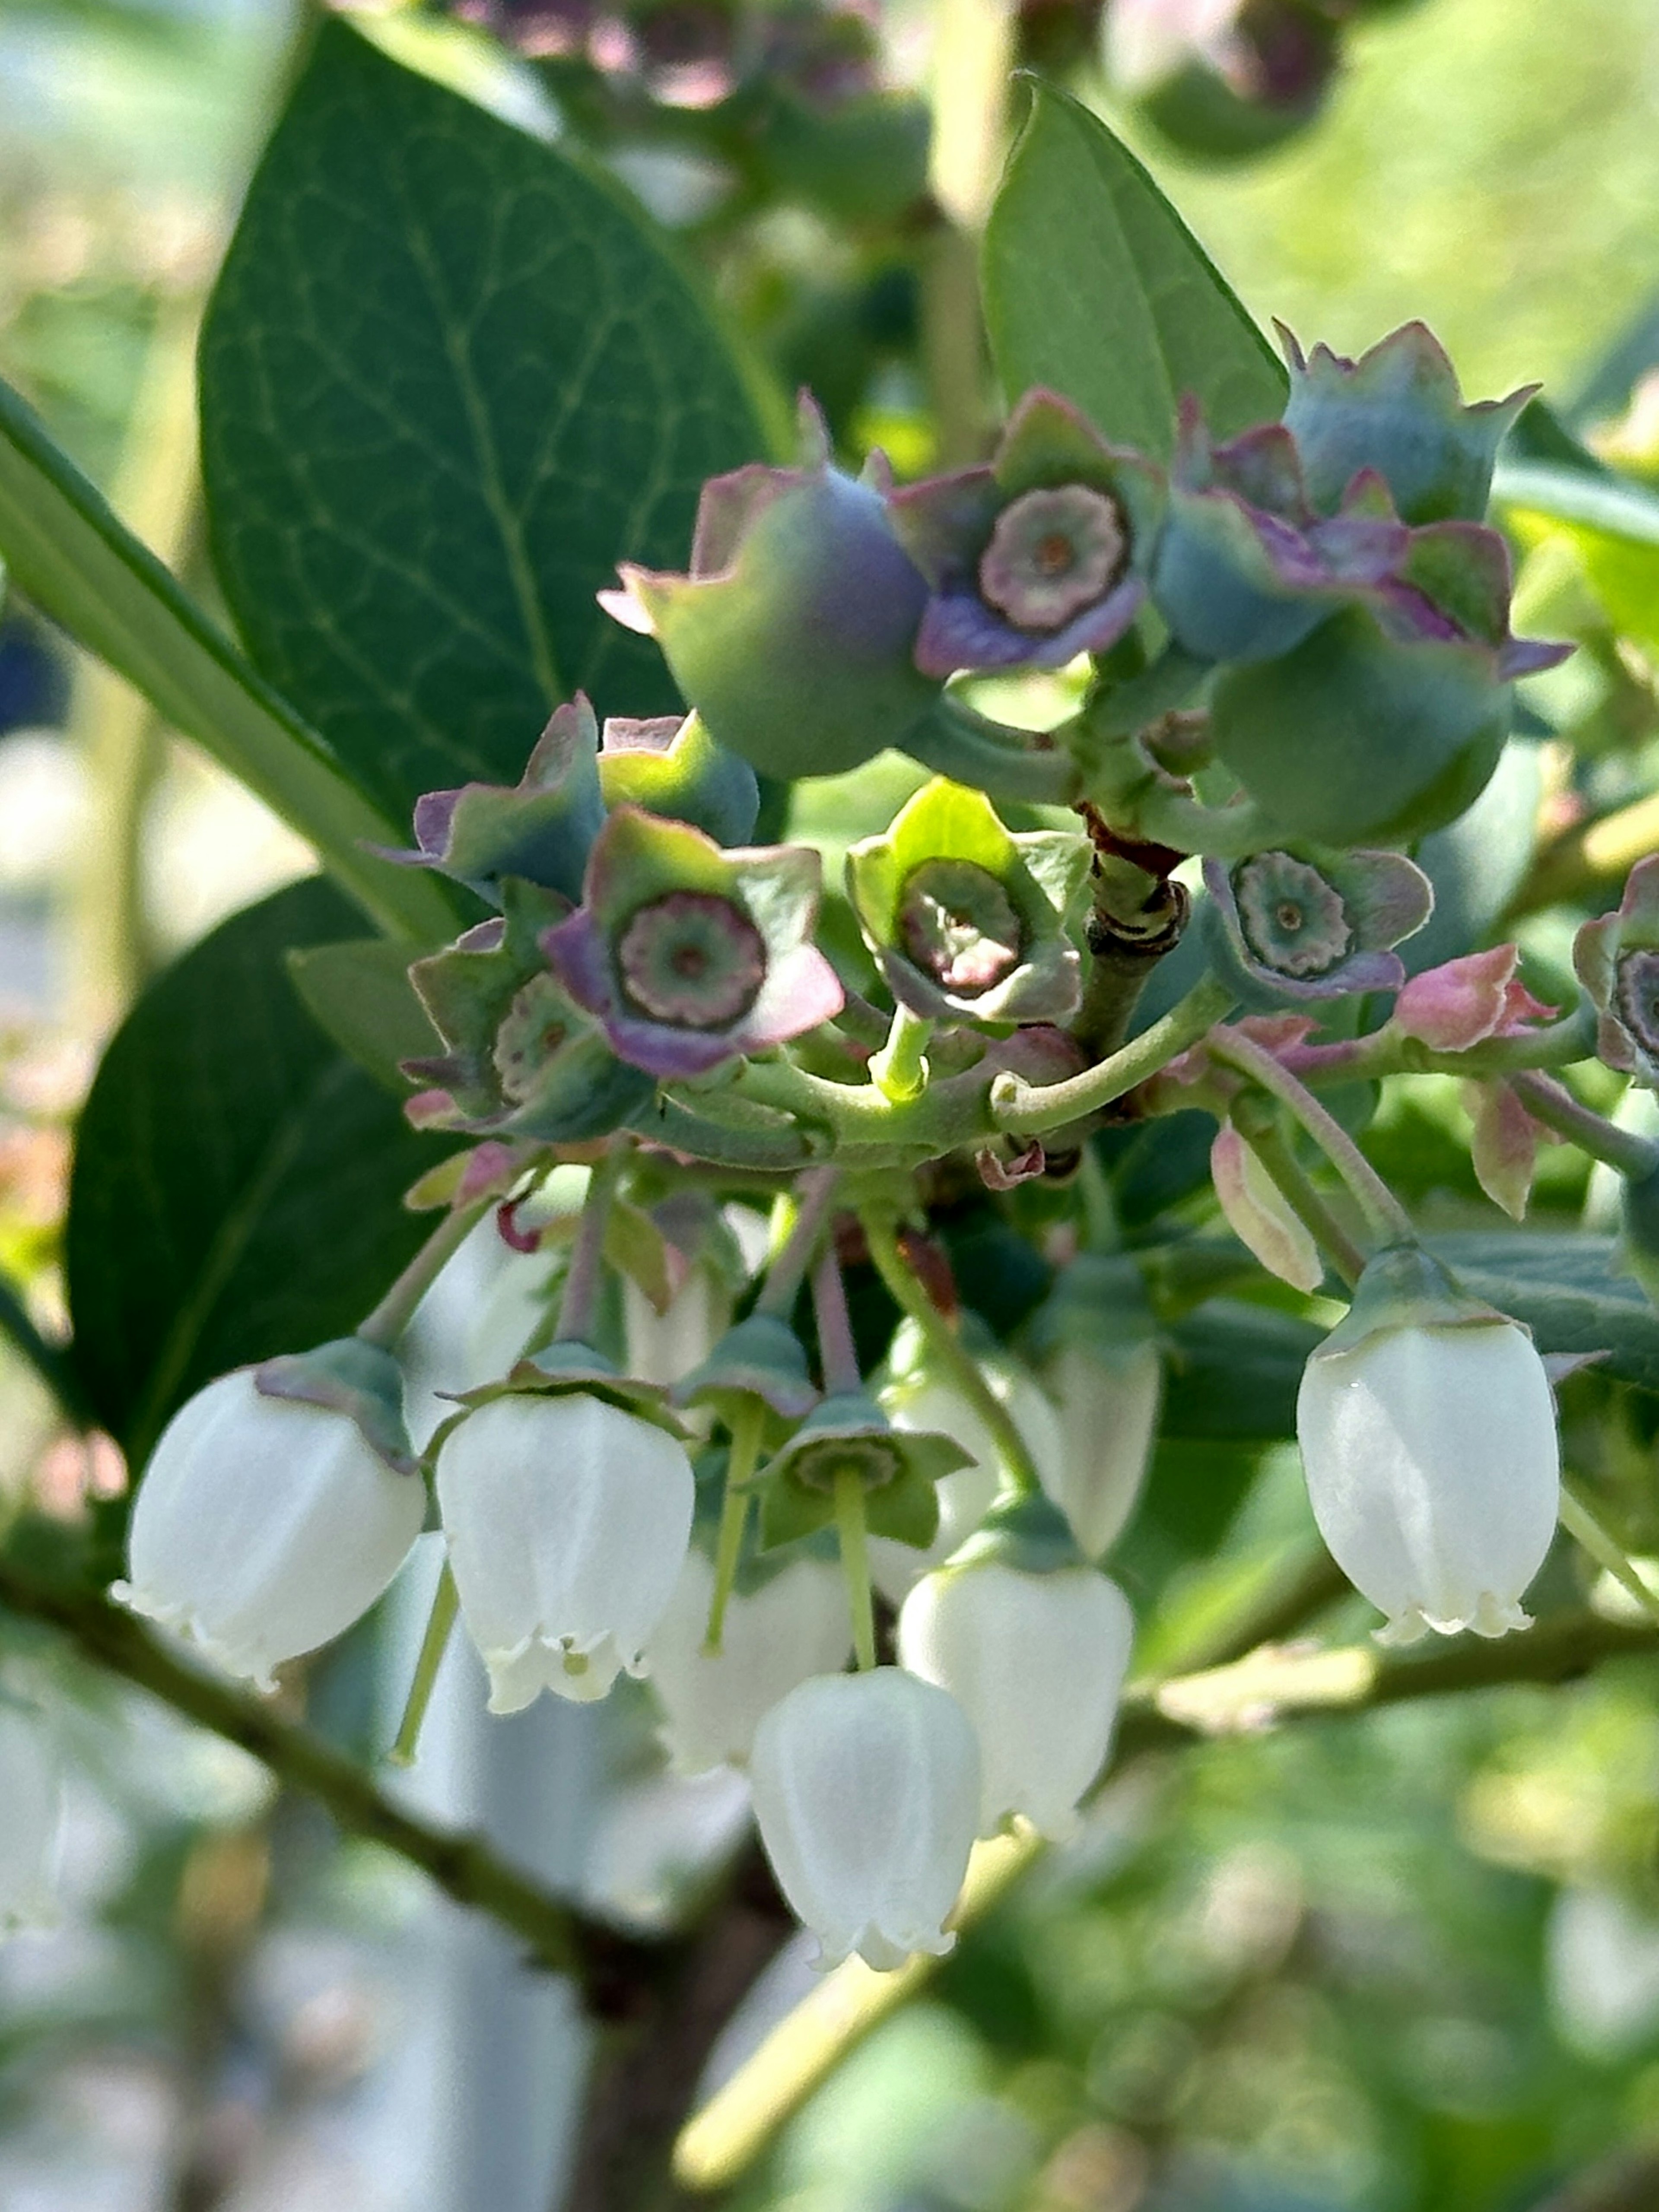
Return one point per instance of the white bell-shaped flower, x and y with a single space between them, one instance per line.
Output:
1107 1394
793 1626
265 1525
664 1347
921 1402
30 1818
567 1520
1036 1661
866 1796
1428 1436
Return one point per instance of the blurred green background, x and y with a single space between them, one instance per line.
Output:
1404 1963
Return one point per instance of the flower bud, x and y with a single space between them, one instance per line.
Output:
540 830
1036 1661
30 1818
866 1794
265 1525
1396 410
1617 959
689 956
1222 79
777 1633
791 635
1036 556
1427 1429
1298 924
568 1520
1260 1215
671 766
966 919
1244 568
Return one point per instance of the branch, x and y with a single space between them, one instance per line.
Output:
1271 1683
463 1866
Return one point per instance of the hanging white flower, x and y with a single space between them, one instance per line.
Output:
791 1626
1427 1428
265 1525
1107 1395
567 1519
1035 1654
867 1796
664 1347
921 1402
31 1817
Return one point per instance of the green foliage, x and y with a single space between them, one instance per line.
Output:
79 563
1096 287
237 1179
449 378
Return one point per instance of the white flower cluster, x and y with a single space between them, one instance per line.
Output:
265 1525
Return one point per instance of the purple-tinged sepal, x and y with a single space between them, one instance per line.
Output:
1617 959
1467 1001
688 956
966 919
539 830
1245 568
791 634
1294 924
521 1059
1387 720
1037 556
671 765
1397 410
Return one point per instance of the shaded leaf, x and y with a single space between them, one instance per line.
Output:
237 1182
1567 1292
449 379
88 571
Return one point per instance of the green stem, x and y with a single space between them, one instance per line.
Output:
1383 1212
747 1426
581 1284
948 1350
396 1310
1267 1141
1386 1052
899 1071
445 1603
1554 1105
1028 1108
463 1868
855 1565
1582 1526
814 1195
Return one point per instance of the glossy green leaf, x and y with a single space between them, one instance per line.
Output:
1568 1292
1095 287
85 569
449 379
1234 1371
237 1182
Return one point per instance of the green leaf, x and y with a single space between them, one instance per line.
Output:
237 1182
1614 523
77 562
1566 1290
1096 287
449 379
361 994
1233 1372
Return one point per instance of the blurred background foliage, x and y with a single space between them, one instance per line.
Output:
1405 1963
